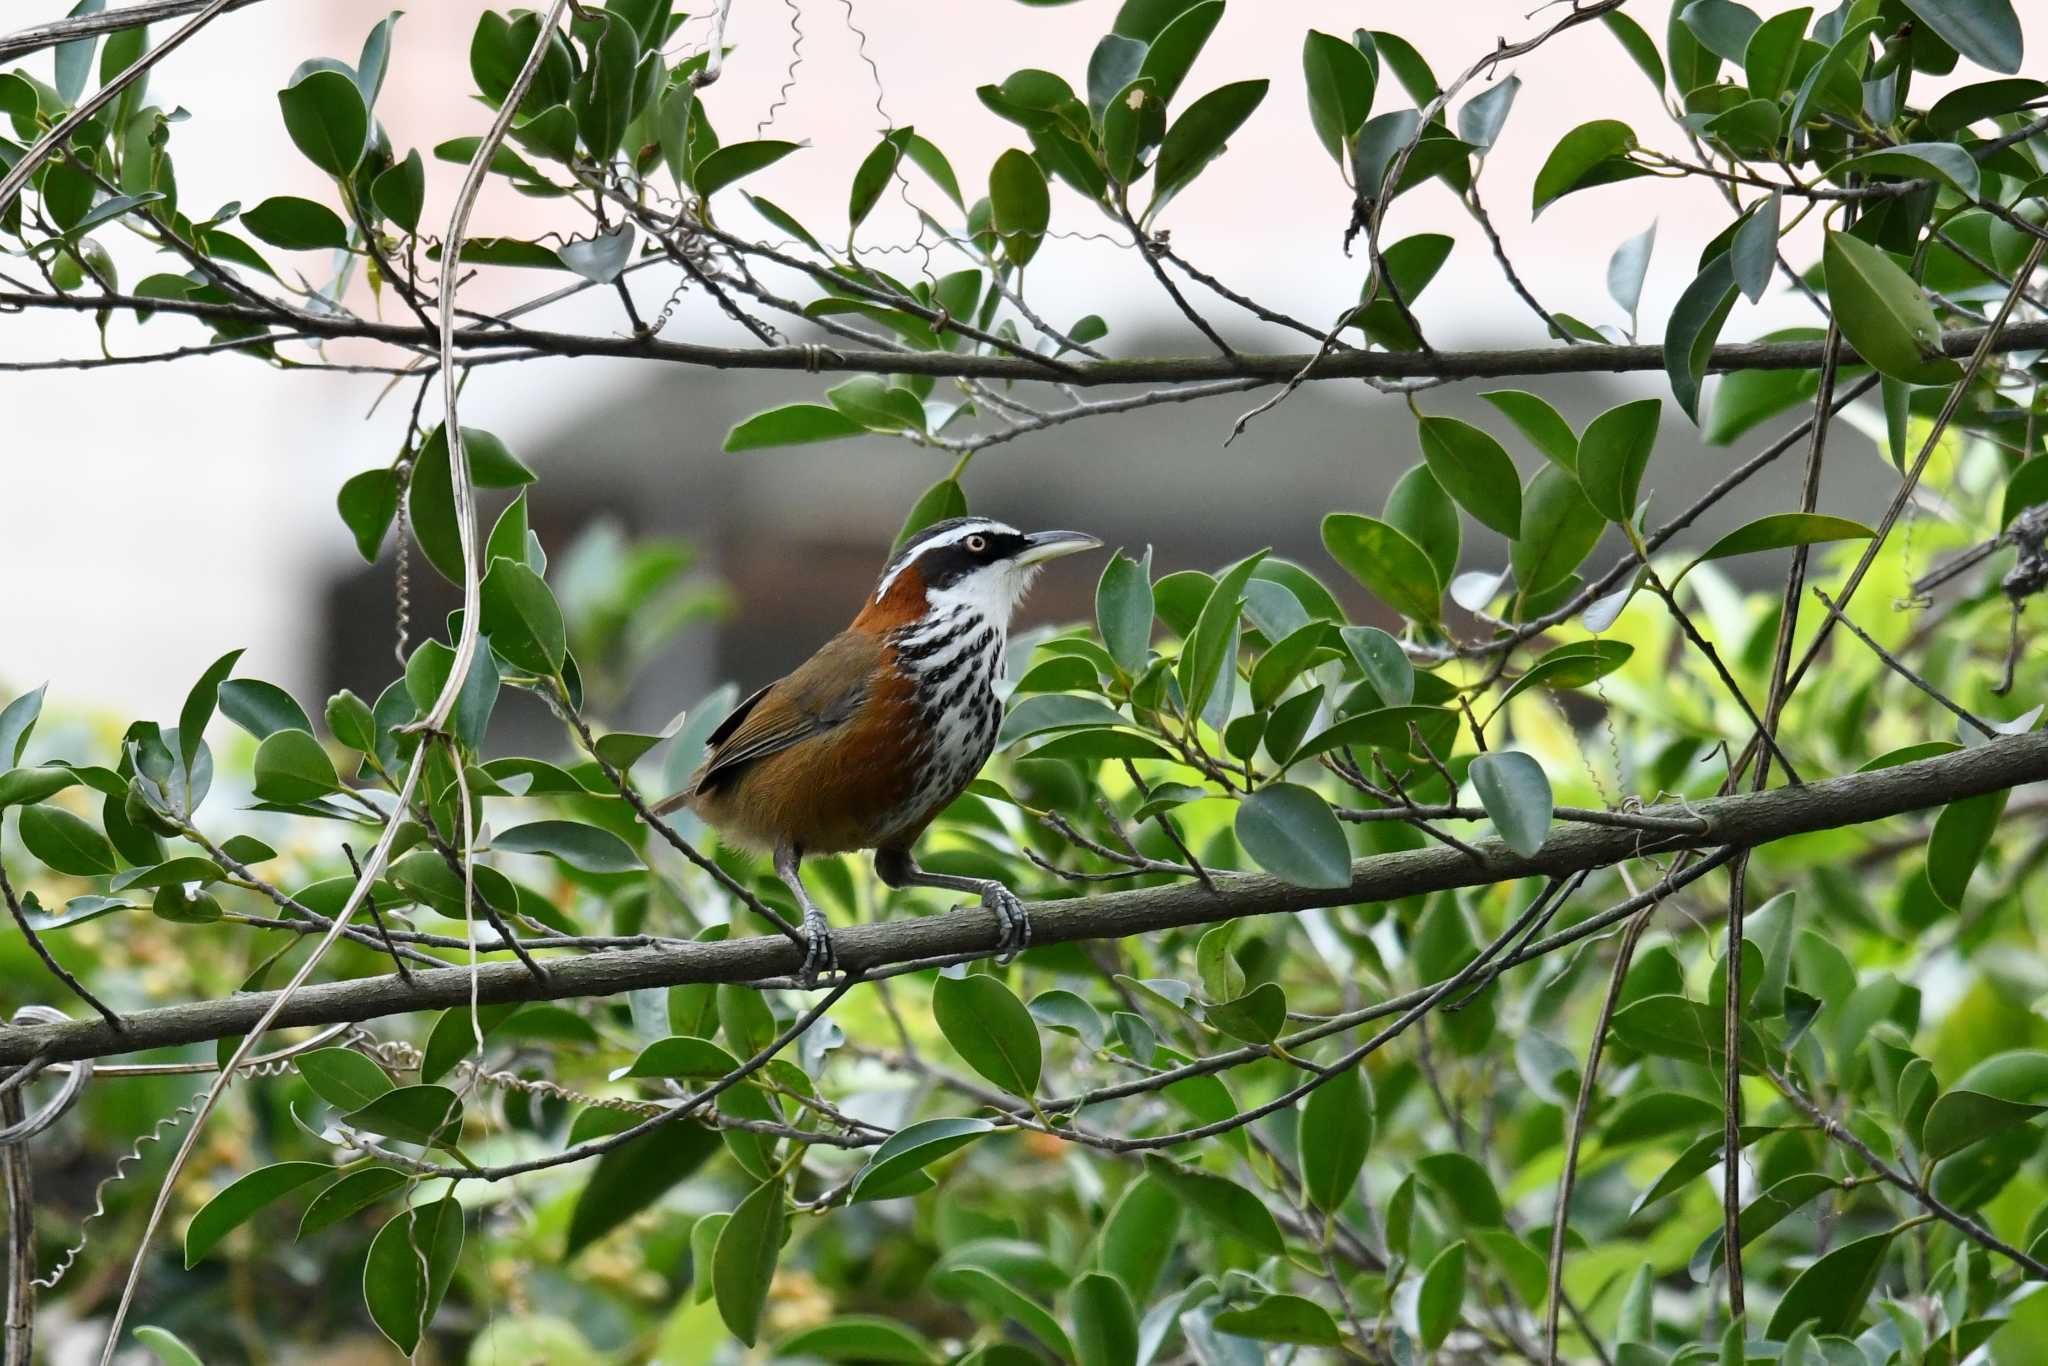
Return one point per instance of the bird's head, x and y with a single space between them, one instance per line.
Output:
973 563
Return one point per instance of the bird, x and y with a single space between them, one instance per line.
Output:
870 738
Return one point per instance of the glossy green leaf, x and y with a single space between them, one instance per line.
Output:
400 193
292 767
1442 1296
1198 136
1516 794
1997 1094
859 1338
1105 1321
166 1346
792 425
1138 1235
743 1266
1559 529
1208 660
1941 161
1292 833
1830 1294
1340 89
1882 312
1282 1318
522 619
941 501
737 160
327 119
1387 562
411 1261
65 843
296 224
897 1166
1590 154
990 1029
1540 423
1336 1133
1021 204
1474 470
342 1077
1629 265
630 1178
1613 452
588 847
1230 1206
1985 31
240 1201
1384 663
1962 833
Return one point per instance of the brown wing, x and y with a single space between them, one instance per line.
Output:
821 695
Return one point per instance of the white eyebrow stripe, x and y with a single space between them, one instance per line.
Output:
953 537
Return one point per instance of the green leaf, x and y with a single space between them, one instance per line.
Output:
522 620
65 843
1387 562
454 1037
1559 529
199 704
1336 1134
990 1029
1383 662
792 425
1753 251
1962 832
1139 1235
1391 729
1590 154
1771 55
897 1166
589 847
1123 610
1209 658
1830 1294
1020 203
296 224
430 1116
400 192
1941 161
968 1281
431 498
1985 31
1629 264
1341 84
411 1261
1442 1296
1725 27
1641 48
1105 1321
262 709
1669 1026
1475 471
18 718
942 500
878 405
343 1078
2027 486
1172 51
1613 452
737 160
1419 509
1282 1318
1198 136
628 1179
1692 330
859 1338
1882 312
1997 1094
162 1342
1232 1207
743 1265
1777 532
367 503
1257 1017
1292 833
240 1201
1516 794
354 1192
1540 423
291 767
602 98
327 119
872 176
1760 1216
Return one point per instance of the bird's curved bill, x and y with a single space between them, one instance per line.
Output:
1050 545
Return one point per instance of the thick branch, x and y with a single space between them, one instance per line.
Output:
1482 364
35 39
1742 821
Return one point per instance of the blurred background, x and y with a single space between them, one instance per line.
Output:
160 514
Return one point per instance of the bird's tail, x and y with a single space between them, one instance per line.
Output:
668 806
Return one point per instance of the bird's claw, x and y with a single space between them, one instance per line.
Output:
1013 925
819 957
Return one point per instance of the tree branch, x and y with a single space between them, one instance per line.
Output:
1742 821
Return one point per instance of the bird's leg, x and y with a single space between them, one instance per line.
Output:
898 869
818 955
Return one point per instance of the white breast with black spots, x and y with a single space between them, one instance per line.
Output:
955 659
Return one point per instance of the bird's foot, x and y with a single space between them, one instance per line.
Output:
819 958
1013 925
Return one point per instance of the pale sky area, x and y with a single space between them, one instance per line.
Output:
158 515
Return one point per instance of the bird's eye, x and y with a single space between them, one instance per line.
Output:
976 544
